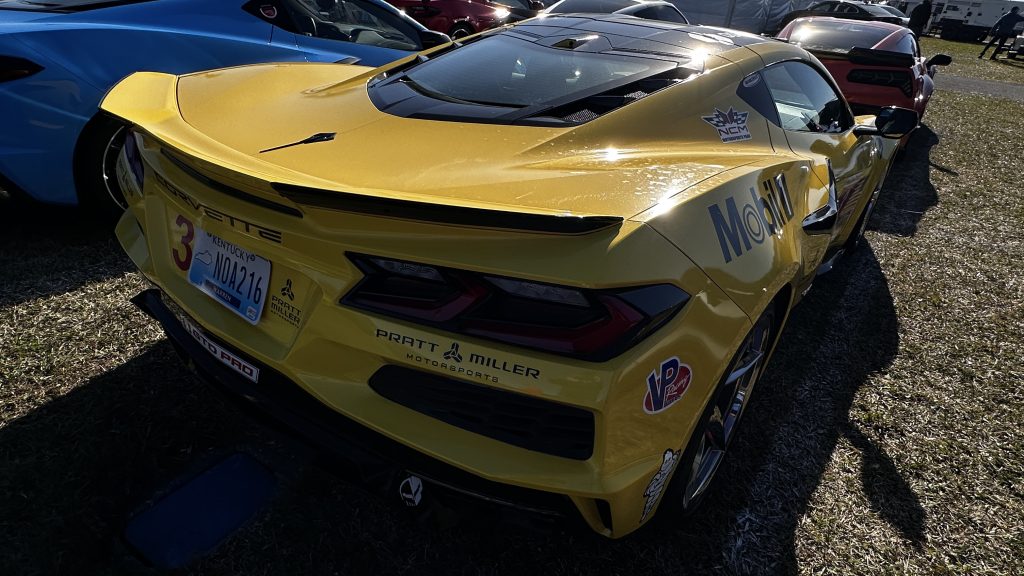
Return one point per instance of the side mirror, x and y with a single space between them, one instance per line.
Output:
429 38
939 60
536 5
891 122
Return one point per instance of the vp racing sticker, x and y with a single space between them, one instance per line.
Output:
657 485
731 125
666 385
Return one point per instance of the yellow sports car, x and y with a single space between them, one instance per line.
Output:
542 268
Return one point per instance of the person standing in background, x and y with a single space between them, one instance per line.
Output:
919 17
1002 31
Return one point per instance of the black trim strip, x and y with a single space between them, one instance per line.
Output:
228 190
442 213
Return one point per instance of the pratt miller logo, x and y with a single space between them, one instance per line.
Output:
731 125
453 353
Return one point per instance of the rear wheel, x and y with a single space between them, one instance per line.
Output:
718 425
460 31
95 164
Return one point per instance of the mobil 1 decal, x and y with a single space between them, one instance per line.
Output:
666 385
746 220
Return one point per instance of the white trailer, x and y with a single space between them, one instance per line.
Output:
971 20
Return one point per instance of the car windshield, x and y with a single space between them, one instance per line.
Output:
362 23
837 36
506 71
63 5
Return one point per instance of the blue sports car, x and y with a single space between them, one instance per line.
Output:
59 57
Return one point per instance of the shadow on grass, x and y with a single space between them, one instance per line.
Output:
49 250
908 192
75 469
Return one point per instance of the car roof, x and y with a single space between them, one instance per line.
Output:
640 35
616 4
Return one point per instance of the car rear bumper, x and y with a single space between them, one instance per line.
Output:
366 457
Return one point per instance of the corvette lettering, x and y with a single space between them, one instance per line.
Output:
249 228
739 228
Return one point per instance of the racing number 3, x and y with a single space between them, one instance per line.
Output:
184 260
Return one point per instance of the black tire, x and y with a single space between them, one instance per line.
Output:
460 31
95 161
707 447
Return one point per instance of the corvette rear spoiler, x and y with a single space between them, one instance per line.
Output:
869 57
443 213
148 101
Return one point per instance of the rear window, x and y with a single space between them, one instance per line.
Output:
837 36
598 6
63 5
875 10
892 10
507 71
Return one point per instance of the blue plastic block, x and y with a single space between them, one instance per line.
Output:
196 517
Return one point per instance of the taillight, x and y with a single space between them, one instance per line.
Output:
897 79
588 324
13 68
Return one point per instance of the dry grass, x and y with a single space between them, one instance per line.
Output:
967 64
885 438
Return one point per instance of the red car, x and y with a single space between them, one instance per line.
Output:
876 64
460 18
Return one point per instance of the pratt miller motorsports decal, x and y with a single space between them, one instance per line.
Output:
454 358
284 309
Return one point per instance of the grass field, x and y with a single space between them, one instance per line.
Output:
967 64
885 438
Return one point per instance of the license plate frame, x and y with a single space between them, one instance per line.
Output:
234 276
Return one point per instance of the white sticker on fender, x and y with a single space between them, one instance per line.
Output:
227 358
653 491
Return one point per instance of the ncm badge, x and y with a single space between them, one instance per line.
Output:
738 228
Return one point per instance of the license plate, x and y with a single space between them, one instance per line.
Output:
230 274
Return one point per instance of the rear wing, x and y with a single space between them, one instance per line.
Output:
869 57
148 100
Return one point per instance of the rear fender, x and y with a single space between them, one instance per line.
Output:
743 228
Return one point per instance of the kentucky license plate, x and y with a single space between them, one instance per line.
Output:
230 274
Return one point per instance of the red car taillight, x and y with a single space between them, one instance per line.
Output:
589 324
897 79
13 68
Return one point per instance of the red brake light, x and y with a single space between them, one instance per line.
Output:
588 324
13 68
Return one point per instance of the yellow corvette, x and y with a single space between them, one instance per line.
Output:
542 268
